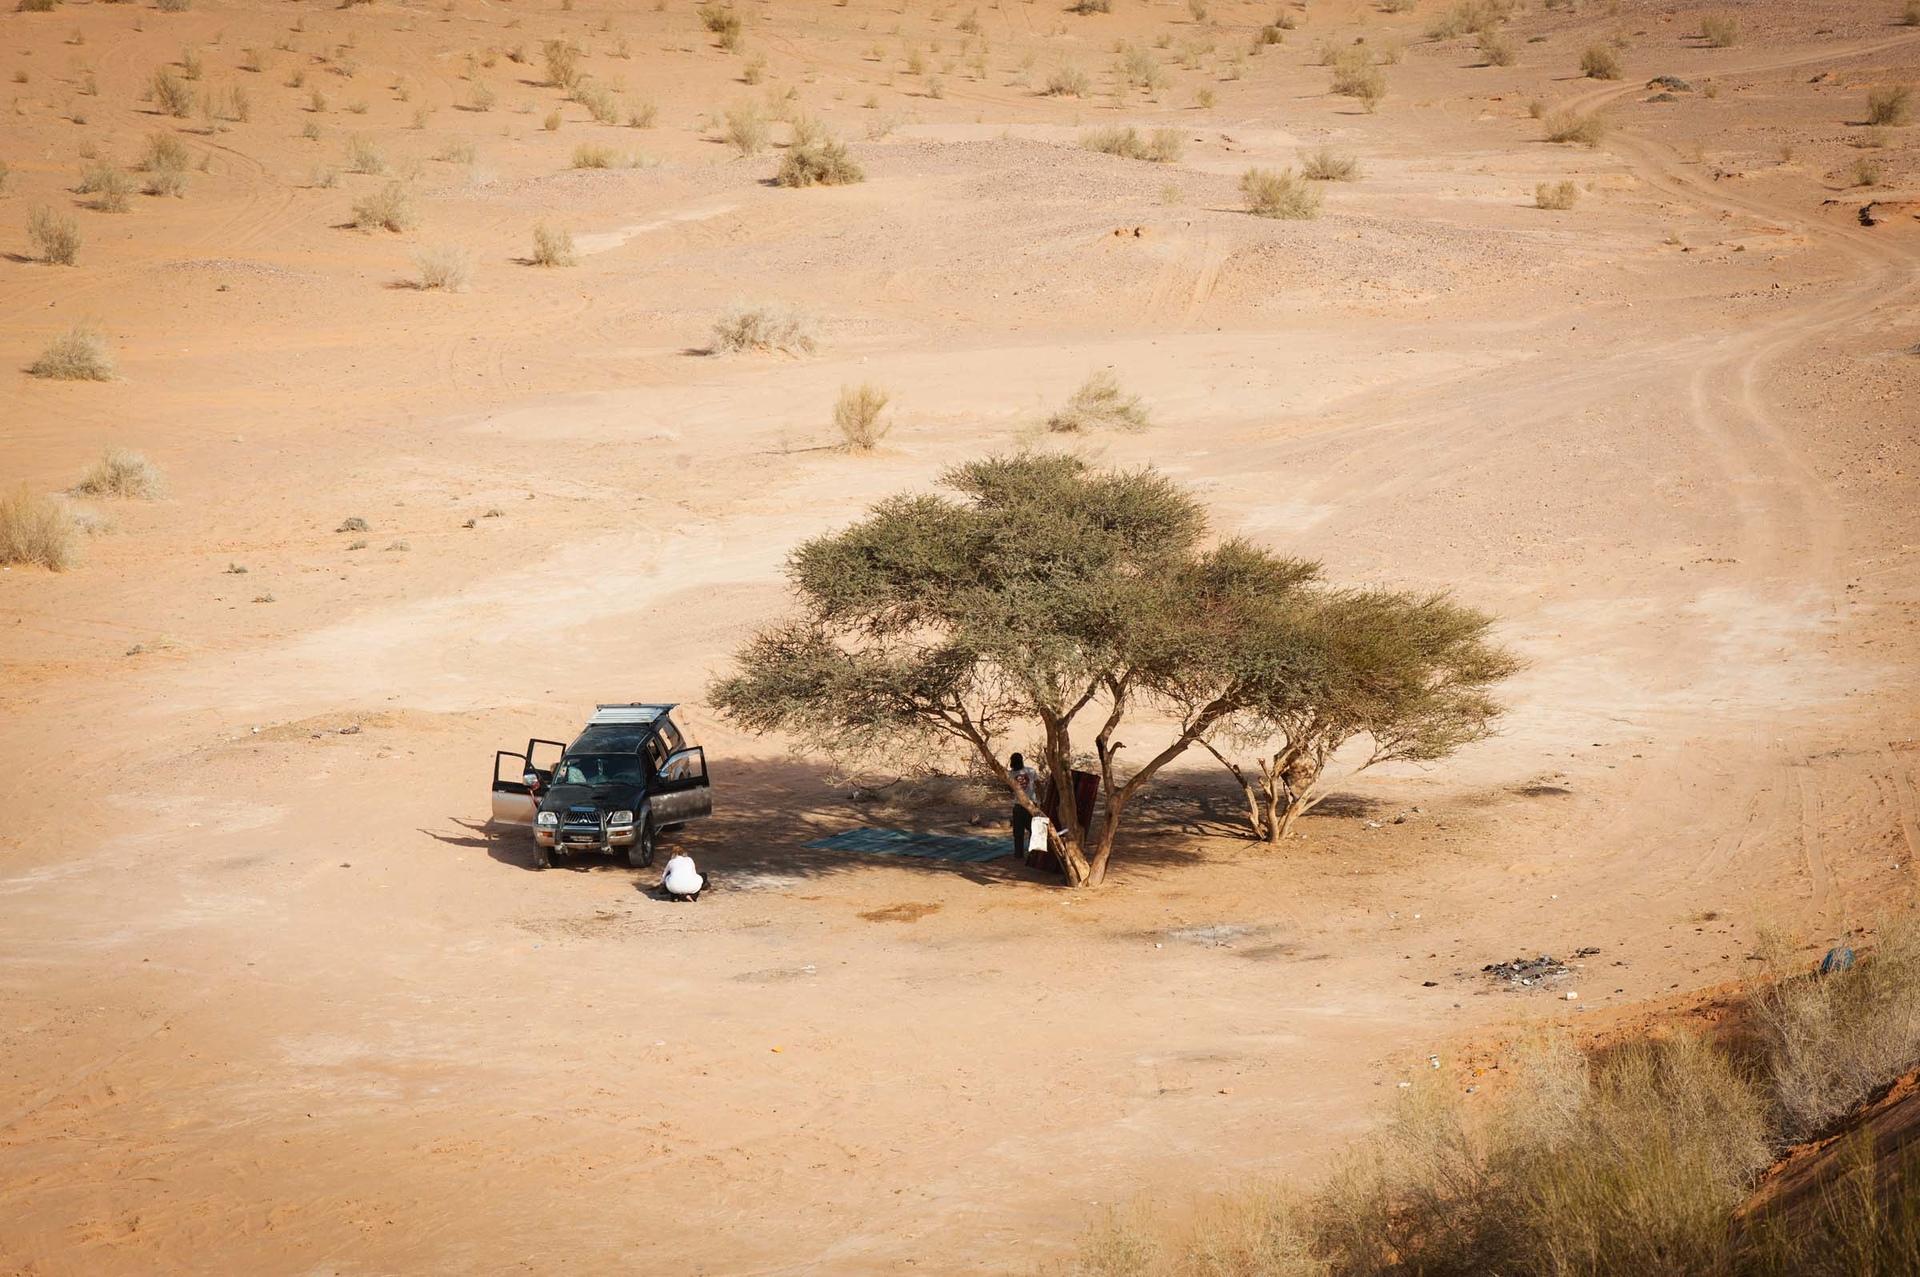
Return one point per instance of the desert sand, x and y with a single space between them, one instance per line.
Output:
276 998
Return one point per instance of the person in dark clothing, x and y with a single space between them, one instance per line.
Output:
1027 781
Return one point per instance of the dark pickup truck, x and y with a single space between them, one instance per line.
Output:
629 775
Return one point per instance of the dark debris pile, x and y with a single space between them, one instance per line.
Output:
1531 973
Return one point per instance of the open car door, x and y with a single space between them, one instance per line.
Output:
542 757
513 801
680 790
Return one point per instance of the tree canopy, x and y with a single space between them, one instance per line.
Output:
1046 600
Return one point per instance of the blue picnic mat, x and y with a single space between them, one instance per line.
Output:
899 842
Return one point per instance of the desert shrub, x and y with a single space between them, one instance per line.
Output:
757 328
563 63
1068 82
721 20
480 97
34 6
1909 14
1721 30
1468 17
55 236
1555 195
1090 6
745 129
1571 126
1137 68
166 181
1889 104
389 208
591 155
1496 48
456 153
173 6
170 93
108 186
600 102
364 157
1283 194
164 151
79 354
1355 76
1328 165
1162 147
1830 1040
35 528
1600 63
123 474
856 415
446 266
823 163
643 116
1099 402
1865 172
552 246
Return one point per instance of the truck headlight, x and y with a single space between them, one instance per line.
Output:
620 818
547 819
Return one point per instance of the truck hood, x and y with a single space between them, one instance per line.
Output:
604 797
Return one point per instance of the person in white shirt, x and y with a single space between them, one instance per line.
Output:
682 881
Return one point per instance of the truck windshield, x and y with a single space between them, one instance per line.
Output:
598 769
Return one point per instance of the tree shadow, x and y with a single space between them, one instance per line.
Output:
766 811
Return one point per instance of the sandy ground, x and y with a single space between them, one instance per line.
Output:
275 998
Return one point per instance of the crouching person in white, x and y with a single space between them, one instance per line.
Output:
682 881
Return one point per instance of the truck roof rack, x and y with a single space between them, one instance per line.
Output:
629 714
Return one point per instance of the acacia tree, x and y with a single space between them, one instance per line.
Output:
1398 677
1047 596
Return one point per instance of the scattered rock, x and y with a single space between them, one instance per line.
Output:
1672 82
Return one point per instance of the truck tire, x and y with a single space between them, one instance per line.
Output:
640 855
540 860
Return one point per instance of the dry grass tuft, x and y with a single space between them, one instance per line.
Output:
552 246
1831 1040
1600 63
123 474
1328 165
856 415
108 186
592 155
1068 82
79 354
170 93
745 129
1571 126
1162 146
364 157
1099 402
1889 104
1721 30
823 163
1355 76
164 153
1497 49
1555 195
35 528
389 208
762 328
445 266
55 236
1284 194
